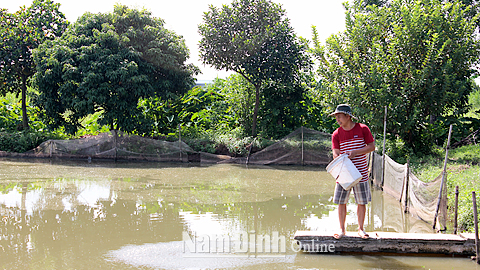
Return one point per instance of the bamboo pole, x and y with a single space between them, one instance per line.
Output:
115 143
372 160
250 151
180 142
444 175
455 225
51 148
384 140
474 200
302 149
407 180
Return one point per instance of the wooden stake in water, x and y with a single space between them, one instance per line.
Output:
475 218
455 224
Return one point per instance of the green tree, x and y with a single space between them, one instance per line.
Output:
194 111
238 101
253 38
107 63
474 101
20 33
416 57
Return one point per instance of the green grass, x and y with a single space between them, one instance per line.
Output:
463 170
467 178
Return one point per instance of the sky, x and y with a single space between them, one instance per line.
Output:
184 16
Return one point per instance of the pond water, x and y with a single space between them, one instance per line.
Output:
102 215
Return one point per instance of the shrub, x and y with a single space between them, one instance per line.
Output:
23 141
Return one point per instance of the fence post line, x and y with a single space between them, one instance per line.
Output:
444 175
384 140
455 224
475 218
407 180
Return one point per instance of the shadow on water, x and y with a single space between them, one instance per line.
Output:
383 262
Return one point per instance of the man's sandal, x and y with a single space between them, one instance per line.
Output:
363 234
338 236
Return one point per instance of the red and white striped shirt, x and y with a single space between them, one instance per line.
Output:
357 137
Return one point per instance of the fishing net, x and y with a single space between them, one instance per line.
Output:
302 147
394 172
111 146
388 214
421 199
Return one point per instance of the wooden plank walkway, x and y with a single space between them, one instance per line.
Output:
388 243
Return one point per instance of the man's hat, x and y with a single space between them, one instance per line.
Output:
343 108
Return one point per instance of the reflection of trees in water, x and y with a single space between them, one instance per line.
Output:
66 239
137 213
283 215
62 239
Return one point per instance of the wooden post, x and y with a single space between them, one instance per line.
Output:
444 175
475 218
180 142
372 158
407 180
455 225
250 151
384 140
115 143
302 148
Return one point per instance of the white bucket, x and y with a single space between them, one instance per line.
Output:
343 170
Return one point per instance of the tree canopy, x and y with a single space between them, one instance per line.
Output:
415 57
108 62
20 33
253 38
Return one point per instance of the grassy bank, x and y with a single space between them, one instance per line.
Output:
463 170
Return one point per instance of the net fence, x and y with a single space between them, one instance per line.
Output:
302 147
420 198
115 146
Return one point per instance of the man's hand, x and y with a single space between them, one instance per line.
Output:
336 153
365 150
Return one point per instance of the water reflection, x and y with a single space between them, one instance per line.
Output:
104 215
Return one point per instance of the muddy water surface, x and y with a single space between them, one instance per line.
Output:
101 215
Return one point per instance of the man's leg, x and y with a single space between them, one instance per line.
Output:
362 197
341 198
361 210
342 216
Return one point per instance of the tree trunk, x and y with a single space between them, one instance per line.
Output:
255 111
24 103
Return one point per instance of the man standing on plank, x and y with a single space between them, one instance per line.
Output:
356 140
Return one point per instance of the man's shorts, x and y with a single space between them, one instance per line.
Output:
361 192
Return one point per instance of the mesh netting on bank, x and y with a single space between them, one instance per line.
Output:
109 146
301 147
420 198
